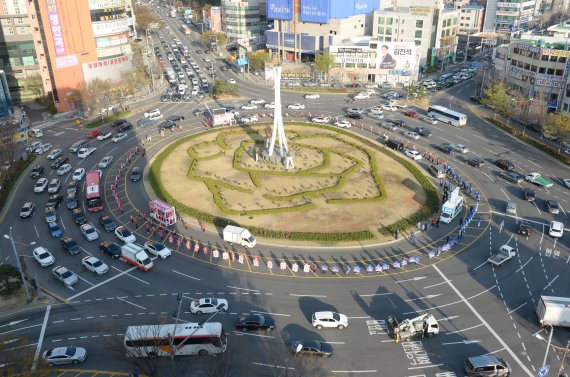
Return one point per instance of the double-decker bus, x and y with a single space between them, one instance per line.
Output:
93 192
446 115
185 29
187 339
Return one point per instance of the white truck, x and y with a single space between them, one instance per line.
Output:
554 311
242 236
505 253
452 207
415 328
86 152
134 254
538 180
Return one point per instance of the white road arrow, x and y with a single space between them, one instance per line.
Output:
423 298
449 318
413 279
14 323
466 342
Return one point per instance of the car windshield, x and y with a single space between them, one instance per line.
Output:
125 232
98 263
261 320
70 351
44 256
89 230
67 274
70 243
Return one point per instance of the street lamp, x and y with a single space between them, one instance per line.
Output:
538 336
528 114
9 237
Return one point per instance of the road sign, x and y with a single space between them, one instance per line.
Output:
543 372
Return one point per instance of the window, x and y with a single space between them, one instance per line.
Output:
419 24
544 58
562 59
389 21
541 69
388 31
559 72
553 58
418 34
550 71
381 21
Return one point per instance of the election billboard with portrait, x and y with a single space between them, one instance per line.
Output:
280 9
398 58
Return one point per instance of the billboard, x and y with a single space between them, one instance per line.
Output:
280 9
55 26
317 11
399 58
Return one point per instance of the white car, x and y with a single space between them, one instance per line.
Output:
269 105
330 320
89 232
312 96
124 234
460 148
556 229
412 135
105 162
343 124
250 119
257 101
65 275
95 265
78 174
429 120
296 106
152 113
41 185
376 110
399 105
64 169
249 106
567 182
414 155
320 120
104 136
158 249
389 108
208 305
43 256
119 137
389 125
231 81
54 154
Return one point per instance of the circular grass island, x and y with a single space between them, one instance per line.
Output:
343 189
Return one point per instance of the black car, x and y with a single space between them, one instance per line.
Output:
505 164
445 148
37 171
68 244
311 348
423 131
71 201
511 176
528 194
398 123
165 98
125 127
255 322
136 174
58 162
476 162
354 115
110 248
166 125
525 228
79 216
176 97
54 200
119 122
107 223
552 206
475 99
174 118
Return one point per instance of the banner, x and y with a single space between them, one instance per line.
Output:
280 9
317 11
55 26
397 57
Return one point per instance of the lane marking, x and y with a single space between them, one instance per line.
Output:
272 366
377 294
552 281
41 339
469 328
426 366
282 315
422 298
524 265
319 296
491 330
358 317
243 289
102 283
128 302
481 265
188 276
356 371
504 193
239 333
412 279
517 308
21 328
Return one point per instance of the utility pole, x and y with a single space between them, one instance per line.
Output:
19 265
564 358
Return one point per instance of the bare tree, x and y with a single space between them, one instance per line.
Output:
222 365
94 93
17 357
9 145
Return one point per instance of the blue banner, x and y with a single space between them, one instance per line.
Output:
317 11
280 9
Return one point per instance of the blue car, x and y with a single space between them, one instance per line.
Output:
54 230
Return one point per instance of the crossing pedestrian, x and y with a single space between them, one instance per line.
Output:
136 223
396 234
478 221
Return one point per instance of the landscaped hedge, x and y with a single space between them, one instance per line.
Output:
532 141
100 122
422 214
21 166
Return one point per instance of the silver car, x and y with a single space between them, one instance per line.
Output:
89 232
50 215
65 355
95 265
67 277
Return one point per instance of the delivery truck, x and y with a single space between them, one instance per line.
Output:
538 180
134 254
505 253
242 236
553 311
415 328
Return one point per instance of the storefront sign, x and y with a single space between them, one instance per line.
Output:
66 61
102 4
295 76
110 27
55 26
348 50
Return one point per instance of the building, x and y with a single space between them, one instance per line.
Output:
241 21
433 28
6 106
471 17
78 41
538 67
17 51
303 28
508 17
212 19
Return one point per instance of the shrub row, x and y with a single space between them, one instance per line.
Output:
100 122
532 141
21 166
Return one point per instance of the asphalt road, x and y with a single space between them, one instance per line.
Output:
480 309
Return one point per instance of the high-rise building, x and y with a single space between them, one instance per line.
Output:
78 41
17 52
5 98
508 17
241 21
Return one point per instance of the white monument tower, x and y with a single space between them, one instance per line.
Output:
278 130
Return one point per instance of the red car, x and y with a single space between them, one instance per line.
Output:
93 134
411 114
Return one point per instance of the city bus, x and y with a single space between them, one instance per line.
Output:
188 339
446 115
185 29
93 192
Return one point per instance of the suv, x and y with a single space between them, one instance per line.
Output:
445 148
329 319
118 122
505 164
124 127
487 365
525 228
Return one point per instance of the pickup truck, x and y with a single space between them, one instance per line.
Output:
538 180
86 152
505 253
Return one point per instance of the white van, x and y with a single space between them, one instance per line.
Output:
36 132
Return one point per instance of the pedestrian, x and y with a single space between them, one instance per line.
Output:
139 213
433 221
447 239
437 223
161 234
314 267
144 216
136 224
132 219
414 240
147 229
425 226
122 211
396 234
460 221
153 231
